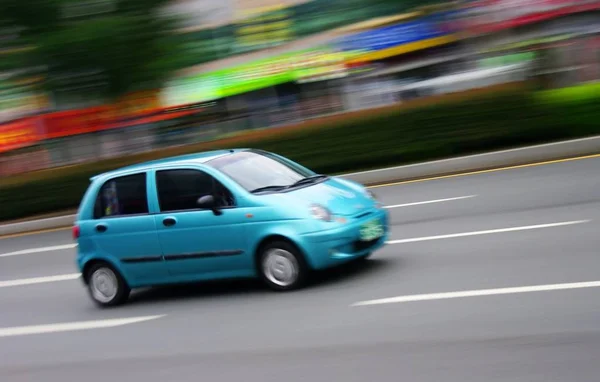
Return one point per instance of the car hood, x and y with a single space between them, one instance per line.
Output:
341 197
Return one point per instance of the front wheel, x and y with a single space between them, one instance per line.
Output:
106 286
282 266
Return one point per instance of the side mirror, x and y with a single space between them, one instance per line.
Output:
208 202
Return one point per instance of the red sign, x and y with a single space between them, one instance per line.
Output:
136 110
23 133
83 121
132 109
72 122
495 15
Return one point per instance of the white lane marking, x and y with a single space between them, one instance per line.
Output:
481 292
487 232
70 326
430 201
38 250
39 280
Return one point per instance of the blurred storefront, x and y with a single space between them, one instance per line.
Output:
482 43
484 17
399 57
556 61
397 54
558 38
284 83
384 61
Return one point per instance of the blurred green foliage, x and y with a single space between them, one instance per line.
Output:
452 127
93 50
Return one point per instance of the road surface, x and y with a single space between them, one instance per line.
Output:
488 277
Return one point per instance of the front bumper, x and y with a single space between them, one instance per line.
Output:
341 243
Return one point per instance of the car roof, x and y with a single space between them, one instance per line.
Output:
201 157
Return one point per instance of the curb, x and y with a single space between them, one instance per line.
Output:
37 225
478 162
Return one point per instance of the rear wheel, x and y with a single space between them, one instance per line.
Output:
106 286
282 267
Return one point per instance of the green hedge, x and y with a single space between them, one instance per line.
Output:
449 128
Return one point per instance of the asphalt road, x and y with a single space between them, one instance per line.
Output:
529 227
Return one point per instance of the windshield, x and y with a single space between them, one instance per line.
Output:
257 171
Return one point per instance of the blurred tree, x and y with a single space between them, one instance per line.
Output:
94 50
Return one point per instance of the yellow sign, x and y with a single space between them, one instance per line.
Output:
402 49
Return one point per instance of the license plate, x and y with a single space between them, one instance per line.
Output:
371 231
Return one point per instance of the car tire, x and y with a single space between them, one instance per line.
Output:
282 266
106 286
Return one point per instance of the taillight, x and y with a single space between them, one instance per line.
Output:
76 232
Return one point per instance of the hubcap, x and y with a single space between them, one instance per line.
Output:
104 285
280 267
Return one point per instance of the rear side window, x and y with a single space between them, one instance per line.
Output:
179 190
122 196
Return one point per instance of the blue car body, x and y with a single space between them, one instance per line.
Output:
162 247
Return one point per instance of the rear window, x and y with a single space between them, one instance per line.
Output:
122 196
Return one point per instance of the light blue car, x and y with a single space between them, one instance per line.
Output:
220 215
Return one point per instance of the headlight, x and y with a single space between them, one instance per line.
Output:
320 213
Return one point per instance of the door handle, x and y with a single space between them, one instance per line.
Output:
168 222
101 228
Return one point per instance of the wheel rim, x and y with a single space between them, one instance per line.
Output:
104 285
280 267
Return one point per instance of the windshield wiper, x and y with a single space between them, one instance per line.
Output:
309 179
268 188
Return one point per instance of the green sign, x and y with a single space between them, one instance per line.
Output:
506 59
296 66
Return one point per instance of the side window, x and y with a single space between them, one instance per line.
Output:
122 196
179 190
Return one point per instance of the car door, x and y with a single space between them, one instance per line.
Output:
124 231
197 241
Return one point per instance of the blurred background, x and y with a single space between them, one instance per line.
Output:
88 80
